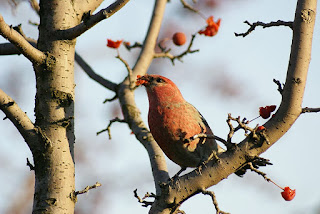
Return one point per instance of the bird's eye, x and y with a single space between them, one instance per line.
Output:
159 80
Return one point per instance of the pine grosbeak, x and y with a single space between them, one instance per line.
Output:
172 120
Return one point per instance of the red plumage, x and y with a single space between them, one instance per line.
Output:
172 120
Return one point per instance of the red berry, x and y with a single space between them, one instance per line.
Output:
179 38
271 108
288 194
264 112
114 44
260 128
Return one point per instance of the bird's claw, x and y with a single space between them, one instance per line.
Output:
176 176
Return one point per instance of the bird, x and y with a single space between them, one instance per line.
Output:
173 123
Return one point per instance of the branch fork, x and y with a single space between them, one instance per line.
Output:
142 200
166 53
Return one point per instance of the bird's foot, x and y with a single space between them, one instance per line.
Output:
201 166
176 176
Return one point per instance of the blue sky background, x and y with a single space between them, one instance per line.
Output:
226 65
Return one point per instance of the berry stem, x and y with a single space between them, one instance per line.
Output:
254 119
275 184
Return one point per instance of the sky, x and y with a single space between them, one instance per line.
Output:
228 75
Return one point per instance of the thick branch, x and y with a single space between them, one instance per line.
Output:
82 6
89 71
293 90
19 119
147 52
10 49
30 52
126 97
91 20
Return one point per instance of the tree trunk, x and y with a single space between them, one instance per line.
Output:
54 111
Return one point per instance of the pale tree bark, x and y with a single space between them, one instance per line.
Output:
51 137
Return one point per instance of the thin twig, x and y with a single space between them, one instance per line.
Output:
264 175
231 129
264 135
135 45
180 212
131 83
264 25
108 127
242 124
167 54
188 6
214 201
87 188
142 201
310 110
31 167
280 86
110 99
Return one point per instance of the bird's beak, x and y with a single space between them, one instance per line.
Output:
143 80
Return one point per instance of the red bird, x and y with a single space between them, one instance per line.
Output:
172 121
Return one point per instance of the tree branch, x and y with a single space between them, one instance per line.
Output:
175 193
35 5
280 86
10 49
87 188
310 110
141 200
167 54
126 97
31 167
131 82
89 71
263 25
109 125
214 200
30 52
19 119
188 6
91 20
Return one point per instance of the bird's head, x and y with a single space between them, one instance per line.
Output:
152 81
159 87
